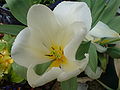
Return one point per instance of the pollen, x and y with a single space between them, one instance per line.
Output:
57 55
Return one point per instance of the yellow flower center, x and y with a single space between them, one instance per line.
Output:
57 54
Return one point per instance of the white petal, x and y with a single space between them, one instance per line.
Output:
41 17
43 21
69 71
102 30
79 33
35 80
100 48
72 69
45 27
67 75
83 63
71 12
64 36
88 37
92 74
118 11
24 52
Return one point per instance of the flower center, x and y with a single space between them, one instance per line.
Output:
57 54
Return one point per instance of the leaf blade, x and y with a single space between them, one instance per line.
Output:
83 48
114 52
20 70
11 29
41 68
114 24
93 59
70 84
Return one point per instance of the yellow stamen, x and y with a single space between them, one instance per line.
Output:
96 40
104 41
57 54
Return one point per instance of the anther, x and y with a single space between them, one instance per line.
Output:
53 48
48 55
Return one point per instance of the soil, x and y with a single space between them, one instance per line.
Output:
54 85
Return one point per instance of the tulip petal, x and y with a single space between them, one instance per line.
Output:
79 33
35 80
45 27
64 36
24 52
70 12
43 21
100 48
41 17
72 69
102 30
69 74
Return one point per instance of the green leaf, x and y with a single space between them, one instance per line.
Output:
19 70
36 1
115 24
10 43
86 1
2 46
110 10
41 68
70 84
7 37
93 59
47 2
97 9
84 47
114 52
103 61
102 10
19 9
11 29
15 77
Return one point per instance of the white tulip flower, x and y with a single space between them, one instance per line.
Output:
101 30
53 36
